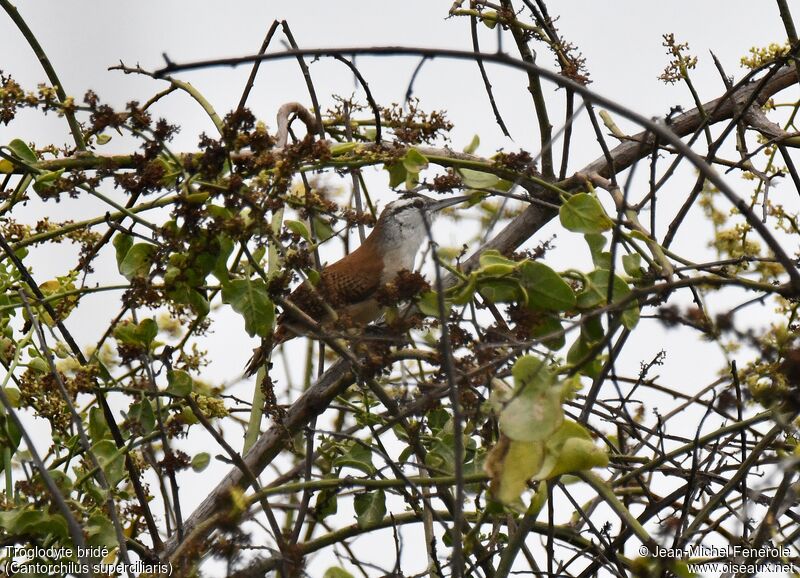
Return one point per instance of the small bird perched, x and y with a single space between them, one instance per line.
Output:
348 286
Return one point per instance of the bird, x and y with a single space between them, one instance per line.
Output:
349 285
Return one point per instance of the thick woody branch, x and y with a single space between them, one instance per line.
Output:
336 380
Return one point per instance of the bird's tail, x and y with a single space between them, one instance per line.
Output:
263 352
260 357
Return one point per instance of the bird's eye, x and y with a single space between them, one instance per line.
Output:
417 203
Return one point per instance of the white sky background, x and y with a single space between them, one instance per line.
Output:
621 40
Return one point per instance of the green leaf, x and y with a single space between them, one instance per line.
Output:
190 296
219 212
98 428
39 364
441 456
583 213
250 299
414 161
10 437
180 383
22 151
327 503
111 460
489 19
504 185
549 325
342 147
397 174
592 328
492 263
201 461
412 180
122 244
141 413
298 228
473 145
322 228
596 292
62 480
101 531
546 289
632 263
13 395
531 373
137 261
220 270
596 242
503 291
600 258
141 334
44 181
478 179
171 171
579 350
48 177
358 457
462 294
103 139
370 508
38 522
428 304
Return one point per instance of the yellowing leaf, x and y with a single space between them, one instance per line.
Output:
570 449
510 464
534 412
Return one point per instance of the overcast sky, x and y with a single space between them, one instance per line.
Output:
620 39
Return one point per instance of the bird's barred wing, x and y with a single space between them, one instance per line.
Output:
340 285
346 285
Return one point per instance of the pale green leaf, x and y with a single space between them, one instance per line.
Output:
179 383
137 261
473 145
478 179
298 228
414 161
201 461
512 463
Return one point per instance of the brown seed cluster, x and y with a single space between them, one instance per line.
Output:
404 287
412 126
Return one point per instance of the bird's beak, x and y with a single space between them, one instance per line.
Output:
444 203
